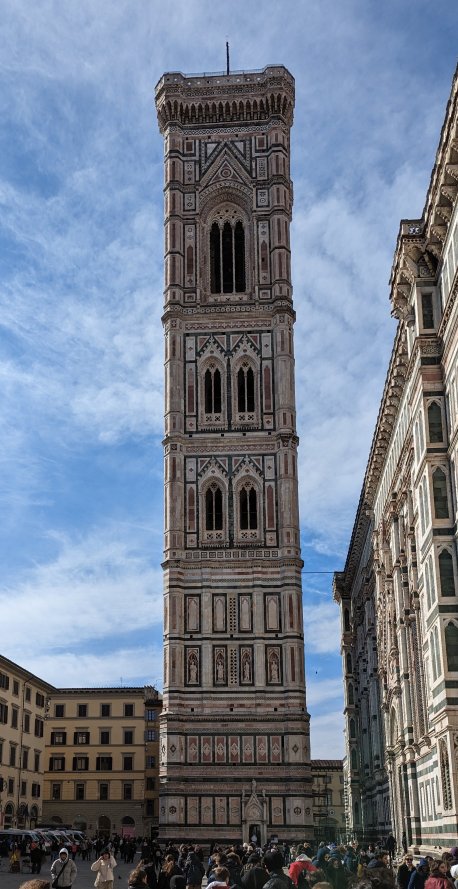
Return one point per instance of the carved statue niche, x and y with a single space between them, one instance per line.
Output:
192 667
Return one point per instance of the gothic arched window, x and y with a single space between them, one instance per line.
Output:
227 257
451 645
248 509
440 494
435 422
212 389
213 509
446 573
245 390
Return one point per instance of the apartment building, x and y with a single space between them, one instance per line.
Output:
97 741
24 700
328 800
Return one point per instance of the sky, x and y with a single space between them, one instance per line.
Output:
81 254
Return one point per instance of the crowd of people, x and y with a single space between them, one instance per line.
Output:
277 866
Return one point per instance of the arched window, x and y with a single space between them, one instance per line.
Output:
213 508
354 760
356 810
427 586
245 390
351 694
349 664
352 728
440 494
446 573
451 645
212 391
227 258
435 422
248 509
346 620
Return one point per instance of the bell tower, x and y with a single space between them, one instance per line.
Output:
234 737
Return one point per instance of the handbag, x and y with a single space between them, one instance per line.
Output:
54 883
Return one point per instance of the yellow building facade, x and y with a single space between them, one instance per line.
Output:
24 700
101 756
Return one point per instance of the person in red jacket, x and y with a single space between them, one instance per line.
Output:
301 865
438 878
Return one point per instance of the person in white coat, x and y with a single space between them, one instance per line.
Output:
104 867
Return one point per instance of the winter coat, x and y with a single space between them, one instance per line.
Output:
297 867
254 877
403 875
418 879
193 870
439 881
279 880
104 869
63 872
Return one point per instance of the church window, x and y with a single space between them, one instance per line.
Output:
248 509
446 573
351 695
173 236
440 494
427 310
212 390
213 508
435 422
227 258
263 256
352 728
349 664
451 645
245 390
354 764
346 620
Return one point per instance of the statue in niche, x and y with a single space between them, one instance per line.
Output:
220 671
274 672
193 675
246 666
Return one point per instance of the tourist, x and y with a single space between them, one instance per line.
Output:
438 878
419 875
405 871
104 867
273 863
193 870
63 871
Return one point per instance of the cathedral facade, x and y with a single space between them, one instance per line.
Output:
398 591
234 736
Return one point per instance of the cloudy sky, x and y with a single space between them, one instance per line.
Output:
81 295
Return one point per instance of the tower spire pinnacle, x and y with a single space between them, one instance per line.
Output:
227 58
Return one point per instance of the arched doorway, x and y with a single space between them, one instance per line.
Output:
104 825
127 826
9 815
33 818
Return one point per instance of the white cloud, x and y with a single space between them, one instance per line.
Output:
327 739
322 628
321 691
126 666
97 588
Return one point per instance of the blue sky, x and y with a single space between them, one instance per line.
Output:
81 244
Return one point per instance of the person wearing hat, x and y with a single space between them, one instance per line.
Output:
419 875
63 871
300 867
104 867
